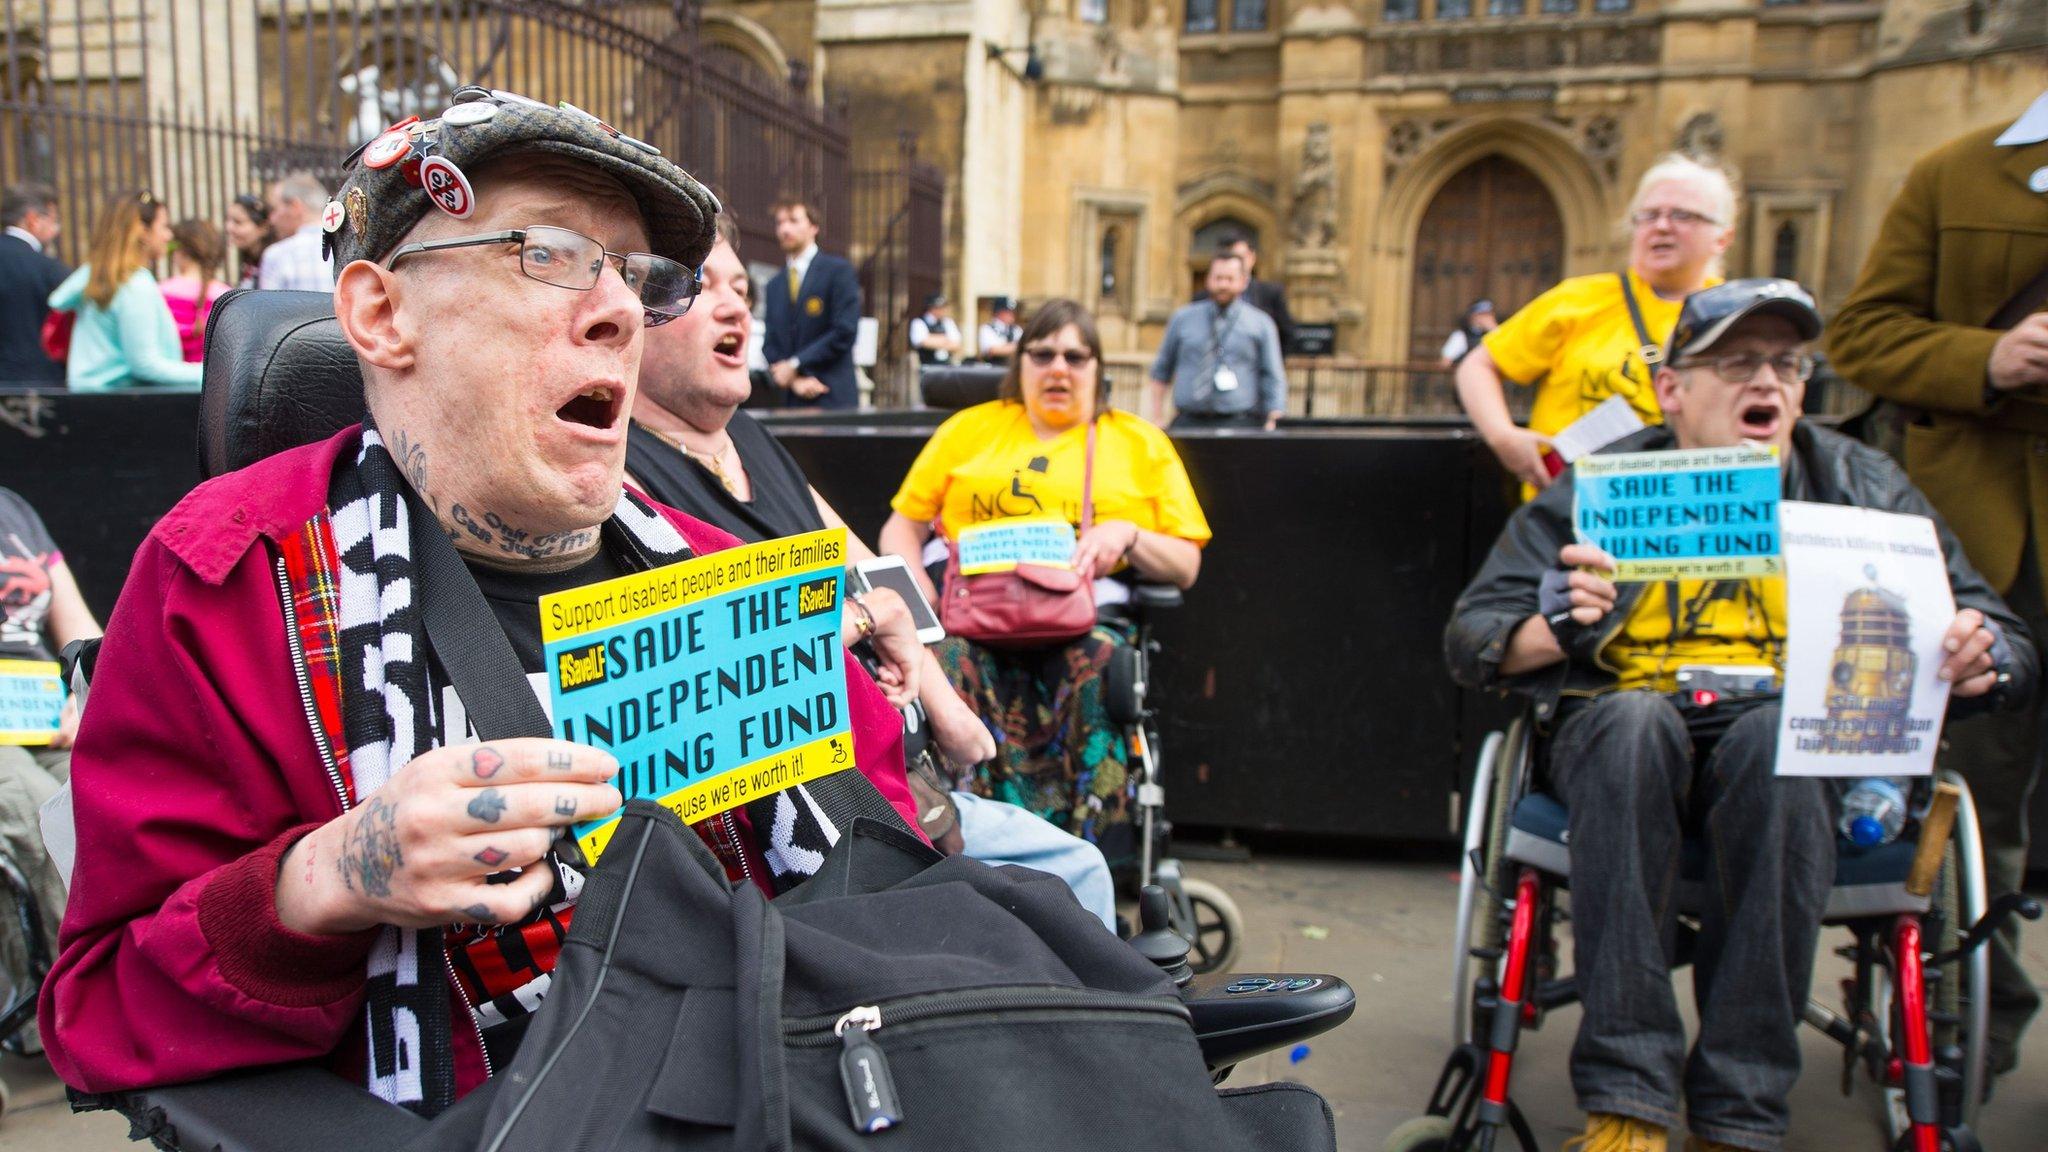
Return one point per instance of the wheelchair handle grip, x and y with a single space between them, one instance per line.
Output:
1934 832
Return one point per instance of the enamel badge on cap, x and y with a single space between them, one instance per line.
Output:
447 187
385 150
331 217
471 113
2039 180
358 204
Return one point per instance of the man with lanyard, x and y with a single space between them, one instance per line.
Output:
1948 319
1220 361
290 844
1639 766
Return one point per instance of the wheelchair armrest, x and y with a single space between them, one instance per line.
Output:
295 1108
1264 1012
1155 596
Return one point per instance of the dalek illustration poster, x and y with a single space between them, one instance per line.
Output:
1870 683
1868 600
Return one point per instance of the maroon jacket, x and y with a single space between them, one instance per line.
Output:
195 769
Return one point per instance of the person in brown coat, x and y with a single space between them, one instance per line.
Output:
1947 320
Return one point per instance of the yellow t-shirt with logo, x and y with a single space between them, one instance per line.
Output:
1577 346
985 463
1715 622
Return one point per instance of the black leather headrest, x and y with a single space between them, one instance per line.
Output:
960 387
278 375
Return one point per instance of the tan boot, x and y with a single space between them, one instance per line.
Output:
1606 1132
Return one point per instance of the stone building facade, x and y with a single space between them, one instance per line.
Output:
1395 158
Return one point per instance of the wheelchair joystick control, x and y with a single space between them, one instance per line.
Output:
1157 942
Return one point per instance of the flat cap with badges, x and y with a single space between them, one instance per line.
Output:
419 166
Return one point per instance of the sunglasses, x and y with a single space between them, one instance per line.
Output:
1075 357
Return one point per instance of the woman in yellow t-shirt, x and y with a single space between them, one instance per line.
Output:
1024 455
1578 344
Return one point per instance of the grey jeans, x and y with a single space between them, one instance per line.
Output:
1637 782
27 778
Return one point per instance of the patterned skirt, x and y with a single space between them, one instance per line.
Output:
1058 754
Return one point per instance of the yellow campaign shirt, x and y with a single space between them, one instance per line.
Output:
985 463
1577 346
1716 622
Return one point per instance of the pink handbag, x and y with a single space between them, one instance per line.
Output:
1029 606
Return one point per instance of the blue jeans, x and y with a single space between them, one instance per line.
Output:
1637 780
999 833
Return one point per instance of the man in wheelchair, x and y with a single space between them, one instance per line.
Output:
281 806
1639 767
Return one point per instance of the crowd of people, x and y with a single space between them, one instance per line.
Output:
565 426
109 323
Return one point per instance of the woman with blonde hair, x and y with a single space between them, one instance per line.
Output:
124 335
1592 337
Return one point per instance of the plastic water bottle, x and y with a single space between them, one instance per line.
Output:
1873 811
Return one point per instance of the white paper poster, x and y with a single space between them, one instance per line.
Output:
1868 603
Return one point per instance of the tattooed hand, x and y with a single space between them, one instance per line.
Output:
418 851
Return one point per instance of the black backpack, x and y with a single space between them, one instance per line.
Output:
897 1001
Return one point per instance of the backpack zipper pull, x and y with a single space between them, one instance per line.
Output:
864 1072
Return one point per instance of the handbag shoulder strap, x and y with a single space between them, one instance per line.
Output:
1652 352
2023 303
1088 480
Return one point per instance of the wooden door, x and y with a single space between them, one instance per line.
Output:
1494 233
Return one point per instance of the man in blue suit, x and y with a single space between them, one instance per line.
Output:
813 316
27 275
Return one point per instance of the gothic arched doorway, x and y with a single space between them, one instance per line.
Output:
1493 231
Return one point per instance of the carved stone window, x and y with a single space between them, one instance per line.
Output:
1201 16
1614 5
1112 283
1506 7
1248 15
1454 9
1095 11
1560 7
1400 11
1785 251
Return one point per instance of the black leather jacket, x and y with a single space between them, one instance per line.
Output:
1823 467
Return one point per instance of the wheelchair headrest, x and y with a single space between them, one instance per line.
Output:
278 374
960 387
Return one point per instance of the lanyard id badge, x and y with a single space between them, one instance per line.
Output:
1226 380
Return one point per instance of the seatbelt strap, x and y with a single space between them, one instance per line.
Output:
467 638
2024 303
1652 352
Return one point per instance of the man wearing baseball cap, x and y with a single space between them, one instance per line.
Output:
1640 767
281 805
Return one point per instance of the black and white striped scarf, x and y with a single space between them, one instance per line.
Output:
389 687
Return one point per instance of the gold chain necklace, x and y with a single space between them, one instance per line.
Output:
708 459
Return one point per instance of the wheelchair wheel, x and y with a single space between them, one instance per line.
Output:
1218 931
1421 1134
1497 782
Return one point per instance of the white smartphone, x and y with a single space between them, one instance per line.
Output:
889 572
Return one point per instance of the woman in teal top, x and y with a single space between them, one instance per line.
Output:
124 335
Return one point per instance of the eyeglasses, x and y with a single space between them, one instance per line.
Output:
572 260
1075 357
1742 367
1679 217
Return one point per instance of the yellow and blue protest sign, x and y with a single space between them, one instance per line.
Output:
1001 545
714 681
1695 514
31 701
